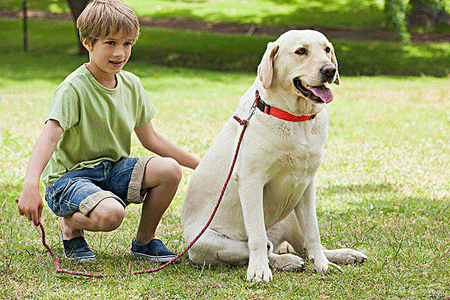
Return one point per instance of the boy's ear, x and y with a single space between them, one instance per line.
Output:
87 44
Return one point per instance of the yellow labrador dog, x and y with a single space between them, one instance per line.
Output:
271 196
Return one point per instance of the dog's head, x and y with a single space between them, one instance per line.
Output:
301 62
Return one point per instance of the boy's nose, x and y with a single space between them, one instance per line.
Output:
119 51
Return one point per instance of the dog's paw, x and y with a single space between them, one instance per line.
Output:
259 273
319 263
345 256
286 262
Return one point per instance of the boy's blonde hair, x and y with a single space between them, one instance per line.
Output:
102 18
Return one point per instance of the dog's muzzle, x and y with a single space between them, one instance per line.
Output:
318 94
328 73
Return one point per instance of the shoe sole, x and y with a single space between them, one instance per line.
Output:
81 259
157 259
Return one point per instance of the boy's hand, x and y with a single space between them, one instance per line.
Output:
31 204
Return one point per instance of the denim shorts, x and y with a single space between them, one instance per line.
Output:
82 190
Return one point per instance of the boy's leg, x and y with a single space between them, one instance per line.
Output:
80 199
106 216
162 177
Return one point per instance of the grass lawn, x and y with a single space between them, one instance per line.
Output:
342 13
383 186
219 52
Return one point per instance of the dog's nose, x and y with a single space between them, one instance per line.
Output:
328 72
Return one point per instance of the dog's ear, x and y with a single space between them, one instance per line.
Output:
334 61
265 68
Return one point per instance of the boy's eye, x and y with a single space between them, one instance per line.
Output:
128 44
110 42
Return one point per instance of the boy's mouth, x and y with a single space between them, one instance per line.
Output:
116 63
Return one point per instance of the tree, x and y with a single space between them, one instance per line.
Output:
428 14
395 11
76 7
402 14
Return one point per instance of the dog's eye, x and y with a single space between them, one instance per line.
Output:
327 49
301 51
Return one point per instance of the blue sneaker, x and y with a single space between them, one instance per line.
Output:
154 251
78 249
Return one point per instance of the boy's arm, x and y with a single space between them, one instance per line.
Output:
30 202
158 144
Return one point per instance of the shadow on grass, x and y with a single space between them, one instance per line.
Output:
35 66
358 188
382 200
378 58
53 47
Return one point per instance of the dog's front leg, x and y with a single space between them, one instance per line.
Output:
307 218
251 197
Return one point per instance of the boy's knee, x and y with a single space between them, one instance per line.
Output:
169 171
173 170
162 171
109 214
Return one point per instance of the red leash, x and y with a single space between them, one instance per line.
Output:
243 123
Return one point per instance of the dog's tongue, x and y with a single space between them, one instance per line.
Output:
323 93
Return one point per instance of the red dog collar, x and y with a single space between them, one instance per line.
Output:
278 113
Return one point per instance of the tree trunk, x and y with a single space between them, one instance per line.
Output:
76 7
424 14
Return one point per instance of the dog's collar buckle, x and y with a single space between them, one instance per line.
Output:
277 113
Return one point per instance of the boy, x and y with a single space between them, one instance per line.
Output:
86 142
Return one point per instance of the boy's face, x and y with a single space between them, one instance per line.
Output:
108 55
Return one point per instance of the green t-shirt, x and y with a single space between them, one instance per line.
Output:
98 122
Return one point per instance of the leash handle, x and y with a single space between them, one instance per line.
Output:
243 123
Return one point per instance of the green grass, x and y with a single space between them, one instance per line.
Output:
354 13
383 186
215 51
316 13
343 13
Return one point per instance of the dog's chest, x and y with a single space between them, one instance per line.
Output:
299 149
294 168
294 164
